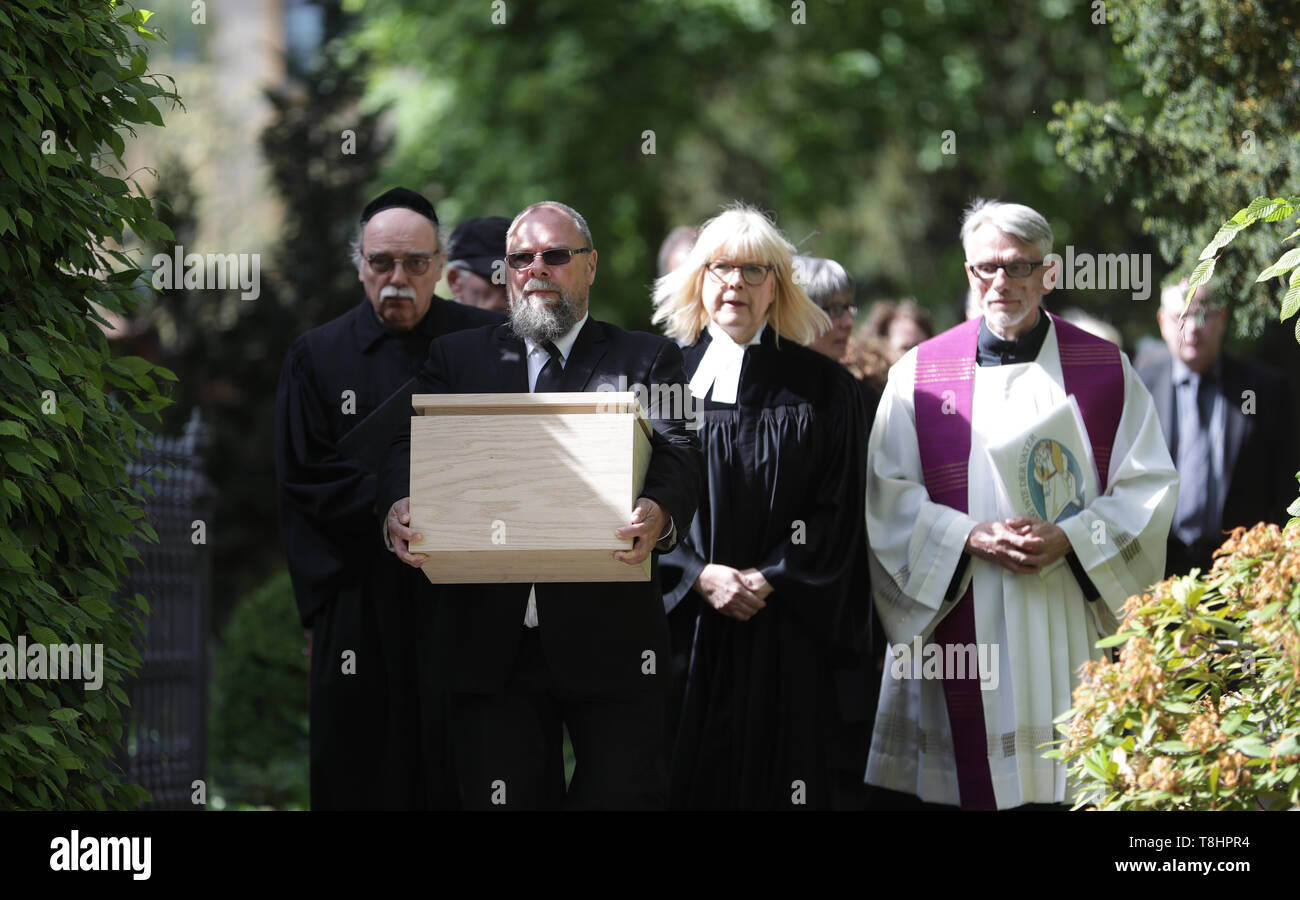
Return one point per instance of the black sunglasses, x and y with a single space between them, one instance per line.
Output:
558 256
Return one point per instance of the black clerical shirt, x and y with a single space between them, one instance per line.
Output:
991 350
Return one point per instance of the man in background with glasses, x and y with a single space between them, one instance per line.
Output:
963 568
528 660
340 392
1229 425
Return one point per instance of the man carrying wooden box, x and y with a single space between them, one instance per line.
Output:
526 659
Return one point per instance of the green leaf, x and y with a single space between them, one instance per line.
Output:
1200 275
1282 212
1291 299
40 734
1285 263
29 101
1288 746
1114 640
1259 207
1172 747
1222 238
66 486
64 714
43 368
43 635
1251 746
16 558
96 607
12 428
19 462
1233 630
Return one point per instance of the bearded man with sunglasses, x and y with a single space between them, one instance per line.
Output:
527 660
963 570
376 740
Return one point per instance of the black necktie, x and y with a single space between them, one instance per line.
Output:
552 374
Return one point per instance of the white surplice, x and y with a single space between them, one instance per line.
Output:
1043 627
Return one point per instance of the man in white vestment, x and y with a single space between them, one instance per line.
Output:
1028 624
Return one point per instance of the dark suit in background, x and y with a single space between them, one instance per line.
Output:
1257 450
586 663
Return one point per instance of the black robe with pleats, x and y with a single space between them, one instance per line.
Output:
376 722
775 709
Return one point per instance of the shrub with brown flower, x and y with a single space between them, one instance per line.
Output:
1200 709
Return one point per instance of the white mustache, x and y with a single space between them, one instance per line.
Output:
392 290
541 284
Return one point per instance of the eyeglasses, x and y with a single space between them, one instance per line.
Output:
753 273
556 256
1017 269
382 263
839 309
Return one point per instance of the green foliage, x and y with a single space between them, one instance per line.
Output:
67 515
1261 209
260 705
228 352
1217 122
1200 711
838 124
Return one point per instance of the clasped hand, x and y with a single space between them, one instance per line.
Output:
738 593
1022 544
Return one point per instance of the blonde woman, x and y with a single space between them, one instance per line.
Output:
766 569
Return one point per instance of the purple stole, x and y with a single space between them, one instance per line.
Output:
945 383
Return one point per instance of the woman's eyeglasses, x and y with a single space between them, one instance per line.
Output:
752 273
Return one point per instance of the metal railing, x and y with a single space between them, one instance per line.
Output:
164 742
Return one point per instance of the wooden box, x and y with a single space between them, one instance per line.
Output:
526 487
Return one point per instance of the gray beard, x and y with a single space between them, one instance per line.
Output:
542 324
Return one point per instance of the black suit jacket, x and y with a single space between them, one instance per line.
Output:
1259 463
597 637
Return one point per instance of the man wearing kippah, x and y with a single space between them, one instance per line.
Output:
375 741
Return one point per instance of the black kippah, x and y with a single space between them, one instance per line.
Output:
403 197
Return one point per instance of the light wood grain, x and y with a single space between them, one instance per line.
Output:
599 402
532 495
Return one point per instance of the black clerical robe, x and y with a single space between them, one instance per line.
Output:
374 707
775 713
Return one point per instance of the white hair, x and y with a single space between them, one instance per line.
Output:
1014 219
823 279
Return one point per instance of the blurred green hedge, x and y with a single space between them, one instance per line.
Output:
260 709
